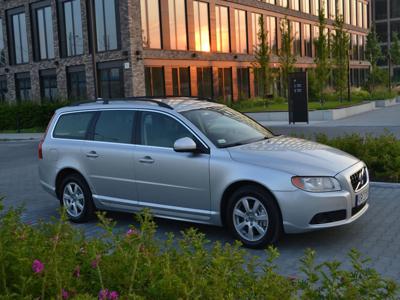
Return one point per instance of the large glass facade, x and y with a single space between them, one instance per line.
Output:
315 9
205 82
18 36
359 14
154 81
201 26
71 27
255 24
151 27
181 82
23 87
296 38
365 15
294 4
394 8
225 84
177 24
43 31
2 45
48 85
284 3
332 9
325 8
272 34
106 15
305 6
243 83
346 11
241 31
380 9
222 28
354 12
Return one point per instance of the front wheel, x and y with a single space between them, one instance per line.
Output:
76 198
253 217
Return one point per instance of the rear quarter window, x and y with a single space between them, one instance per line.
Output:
73 126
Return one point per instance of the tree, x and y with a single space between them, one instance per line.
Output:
373 53
395 49
322 69
263 57
286 57
340 55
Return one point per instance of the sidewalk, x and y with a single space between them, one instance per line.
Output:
20 136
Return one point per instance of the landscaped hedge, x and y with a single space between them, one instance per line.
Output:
27 115
381 154
55 261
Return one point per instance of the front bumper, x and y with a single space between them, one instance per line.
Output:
299 208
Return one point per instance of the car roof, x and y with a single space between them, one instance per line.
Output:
178 104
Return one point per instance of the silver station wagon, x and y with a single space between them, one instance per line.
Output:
197 161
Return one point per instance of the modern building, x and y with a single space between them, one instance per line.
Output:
386 16
76 49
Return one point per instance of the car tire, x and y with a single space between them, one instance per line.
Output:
253 217
76 198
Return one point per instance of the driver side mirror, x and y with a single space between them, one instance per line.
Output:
185 144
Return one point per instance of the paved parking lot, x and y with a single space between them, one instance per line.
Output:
375 234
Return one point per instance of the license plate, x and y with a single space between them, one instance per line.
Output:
362 197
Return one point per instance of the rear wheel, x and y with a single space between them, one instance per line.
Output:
76 198
253 217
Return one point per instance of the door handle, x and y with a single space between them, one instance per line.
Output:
92 154
146 160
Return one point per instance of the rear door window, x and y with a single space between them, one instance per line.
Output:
114 126
73 125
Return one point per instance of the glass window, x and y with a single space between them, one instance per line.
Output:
2 46
394 27
325 8
332 9
315 7
295 5
201 26
270 1
241 31
365 15
360 47
222 28
359 14
154 81
347 11
380 9
340 7
205 82
296 38
226 127
306 6
23 87
255 24
225 84
243 83
284 3
114 126
307 40
272 34
18 36
177 24
48 85
43 31
354 46
3 88
354 12
111 81
73 126
106 24
381 32
394 8
151 28
181 82
160 130
71 27
76 78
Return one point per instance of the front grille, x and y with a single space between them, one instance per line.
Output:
328 217
359 179
356 209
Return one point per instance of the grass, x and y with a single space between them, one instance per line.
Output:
24 130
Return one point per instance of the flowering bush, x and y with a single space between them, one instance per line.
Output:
55 261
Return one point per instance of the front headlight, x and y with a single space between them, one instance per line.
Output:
316 184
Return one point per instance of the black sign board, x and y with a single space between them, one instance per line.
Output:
298 97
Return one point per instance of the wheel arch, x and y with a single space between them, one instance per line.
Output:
64 173
237 185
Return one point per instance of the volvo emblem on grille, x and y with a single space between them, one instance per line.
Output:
361 178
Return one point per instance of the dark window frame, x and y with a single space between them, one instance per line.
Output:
49 74
3 88
73 70
151 83
10 34
200 82
19 78
34 7
109 66
3 41
179 86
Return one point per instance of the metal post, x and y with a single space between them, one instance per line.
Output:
348 78
390 71
93 41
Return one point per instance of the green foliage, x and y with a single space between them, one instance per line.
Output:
55 261
321 60
27 115
395 49
262 55
373 53
340 55
381 154
286 57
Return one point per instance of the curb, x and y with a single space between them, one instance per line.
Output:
20 137
392 185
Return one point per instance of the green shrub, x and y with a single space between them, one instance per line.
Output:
27 115
381 154
55 261
382 93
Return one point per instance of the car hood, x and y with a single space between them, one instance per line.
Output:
295 156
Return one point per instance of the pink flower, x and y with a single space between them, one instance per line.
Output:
37 266
77 272
64 294
95 262
132 231
113 295
103 294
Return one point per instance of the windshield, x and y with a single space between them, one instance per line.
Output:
226 127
